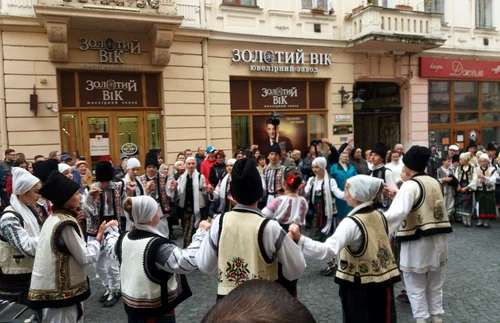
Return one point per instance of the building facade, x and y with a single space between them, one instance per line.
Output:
114 76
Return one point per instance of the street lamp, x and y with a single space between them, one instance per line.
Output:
346 97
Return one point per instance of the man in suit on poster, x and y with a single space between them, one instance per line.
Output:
274 136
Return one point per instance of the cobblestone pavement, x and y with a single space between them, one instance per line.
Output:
471 291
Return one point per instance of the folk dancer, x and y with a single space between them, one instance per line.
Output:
485 193
155 185
189 191
152 266
287 209
104 202
19 233
446 177
318 191
132 175
273 175
59 284
467 183
242 244
418 213
42 170
367 268
222 192
379 170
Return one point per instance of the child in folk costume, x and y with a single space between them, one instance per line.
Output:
42 170
485 192
132 175
287 209
189 190
446 177
466 175
155 185
273 175
59 284
19 231
104 202
290 207
242 244
367 268
152 266
222 191
318 191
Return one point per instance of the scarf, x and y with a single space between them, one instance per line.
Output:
196 193
222 192
22 182
364 188
144 209
327 194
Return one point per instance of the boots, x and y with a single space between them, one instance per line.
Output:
487 224
436 319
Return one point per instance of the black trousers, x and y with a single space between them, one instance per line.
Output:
368 305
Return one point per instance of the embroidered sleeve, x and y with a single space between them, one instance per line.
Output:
12 231
303 211
175 260
270 209
110 238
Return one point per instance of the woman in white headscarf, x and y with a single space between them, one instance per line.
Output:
485 193
319 190
144 253
467 183
19 231
367 268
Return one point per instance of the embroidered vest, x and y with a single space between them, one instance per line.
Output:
14 265
96 219
381 203
428 215
485 186
277 181
58 279
147 290
160 183
374 263
312 196
241 253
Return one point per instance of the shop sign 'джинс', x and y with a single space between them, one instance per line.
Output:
282 62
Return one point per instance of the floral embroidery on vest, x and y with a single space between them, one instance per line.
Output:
383 260
237 271
163 198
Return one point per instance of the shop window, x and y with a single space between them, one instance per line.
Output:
240 127
440 138
491 96
154 130
439 96
316 127
312 4
249 3
69 133
466 96
491 134
484 10
466 117
439 118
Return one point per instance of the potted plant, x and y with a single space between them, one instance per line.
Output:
405 6
317 11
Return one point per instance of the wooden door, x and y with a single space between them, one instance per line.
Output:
464 136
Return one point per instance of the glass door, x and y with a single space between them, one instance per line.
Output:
464 136
110 134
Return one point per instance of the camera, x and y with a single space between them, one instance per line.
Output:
315 142
274 118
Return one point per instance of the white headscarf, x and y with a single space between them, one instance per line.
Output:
144 209
364 188
327 193
62 167
133 163
484 156
223 187
22 182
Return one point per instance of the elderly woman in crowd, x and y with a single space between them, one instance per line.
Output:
341 172
356 160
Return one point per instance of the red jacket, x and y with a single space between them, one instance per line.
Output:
206 166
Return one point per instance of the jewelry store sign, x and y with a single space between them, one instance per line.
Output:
282 62
110 50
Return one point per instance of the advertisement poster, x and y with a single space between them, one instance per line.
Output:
292 131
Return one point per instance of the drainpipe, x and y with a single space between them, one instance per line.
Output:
206 94
3 108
